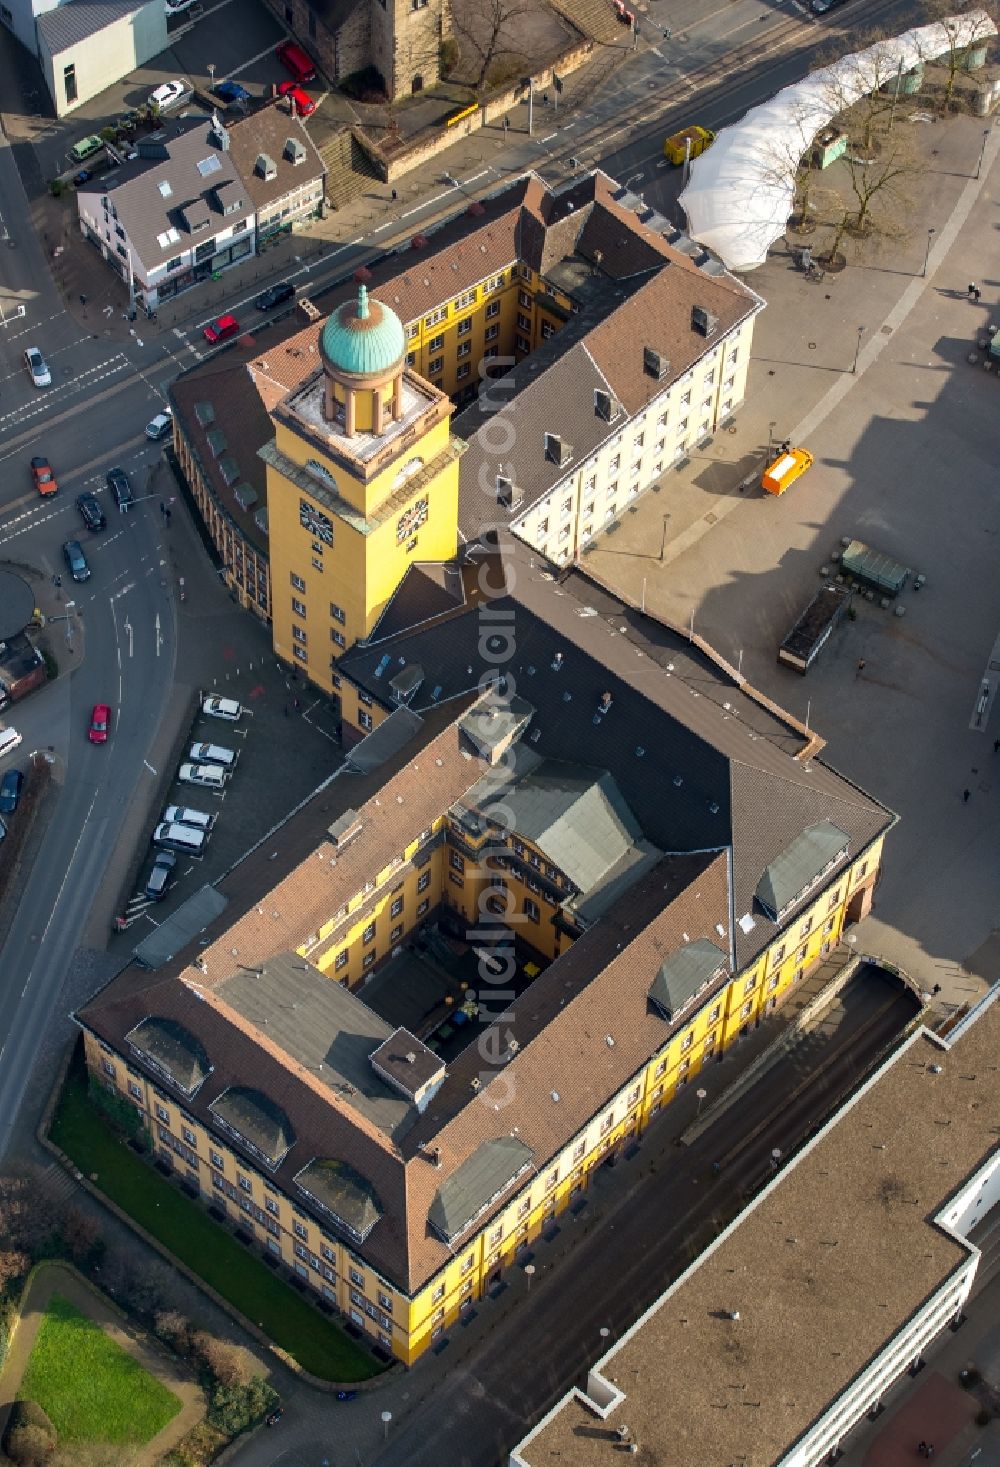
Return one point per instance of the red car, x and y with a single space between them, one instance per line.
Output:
222 329
100 722
304 104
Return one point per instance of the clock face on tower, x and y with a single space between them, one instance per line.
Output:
410 520
315 521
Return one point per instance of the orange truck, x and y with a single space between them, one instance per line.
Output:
782 472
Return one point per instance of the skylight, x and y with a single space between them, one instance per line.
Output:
209 165
164 187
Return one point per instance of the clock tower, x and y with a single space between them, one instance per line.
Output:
362 480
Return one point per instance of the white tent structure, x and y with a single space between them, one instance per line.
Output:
741 191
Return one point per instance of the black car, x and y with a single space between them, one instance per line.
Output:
76 560
275 295
91 512
121 488
159 877
820 7
10 790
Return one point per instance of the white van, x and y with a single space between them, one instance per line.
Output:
213 754
184 815
208 776
179 838
9 740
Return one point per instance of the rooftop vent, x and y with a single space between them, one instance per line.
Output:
294 151
557 662
218 134
507 496
476 1083
605 405
654 363
703 321
265 167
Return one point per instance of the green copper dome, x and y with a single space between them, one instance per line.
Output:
363 338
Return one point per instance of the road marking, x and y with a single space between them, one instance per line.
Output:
79 384
159 635
128 633
149 766
238 70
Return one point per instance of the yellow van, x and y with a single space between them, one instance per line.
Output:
675 148
786 468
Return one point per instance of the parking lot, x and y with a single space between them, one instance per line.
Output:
281 756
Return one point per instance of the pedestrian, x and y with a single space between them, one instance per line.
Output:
996 746
286 710
785 446
163 508
921 1449
83 300
973 290
966 796
167 513
861 667
296 705
930 1450
395 196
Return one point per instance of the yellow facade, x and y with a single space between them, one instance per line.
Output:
330 585
364 932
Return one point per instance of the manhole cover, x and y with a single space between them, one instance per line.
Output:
710 518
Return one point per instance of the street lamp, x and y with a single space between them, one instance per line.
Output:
701 1094
770 437
857 350
775 1157
982 152
211 73
605 1333
386 1418
663 537
927 252
529 1273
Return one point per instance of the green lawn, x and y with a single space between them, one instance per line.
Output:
91 1390
184 1227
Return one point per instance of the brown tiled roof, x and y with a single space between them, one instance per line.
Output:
659 315
824 1270
266 131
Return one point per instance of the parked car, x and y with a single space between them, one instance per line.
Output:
295 60
221 329
213 754
161 426
37 368
10 790
100 722
820 7
230 92
275 295
45 479
86 148
90 511
169 95
304 104
226 708
184 815
121 487
178 7
76 560
159 878
208 776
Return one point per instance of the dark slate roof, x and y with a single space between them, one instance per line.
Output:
77 20
427 590
172 1047
800 865
341 1190
476 1184
255 1118
685 973
573 813
701 763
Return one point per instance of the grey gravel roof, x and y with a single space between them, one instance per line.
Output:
476 1183
323 1027
77 20
684 973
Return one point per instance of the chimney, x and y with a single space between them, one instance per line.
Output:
411 1058
436 1154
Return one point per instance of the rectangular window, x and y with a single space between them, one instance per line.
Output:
189 1136
337 612
464 371
464 327
300 654
135 1090
531 910
298 607
297 581
522 343
423 881
69 83
493 309
777 955
369 933
492 332
441 314
340 961
300 635
396 907
746 1010
524 321
163 1115
750 984
437 365
579 1151
396 933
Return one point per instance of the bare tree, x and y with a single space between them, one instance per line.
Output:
174 1329
224 1361
877 197
960 27
14 1264
489 28
866 92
